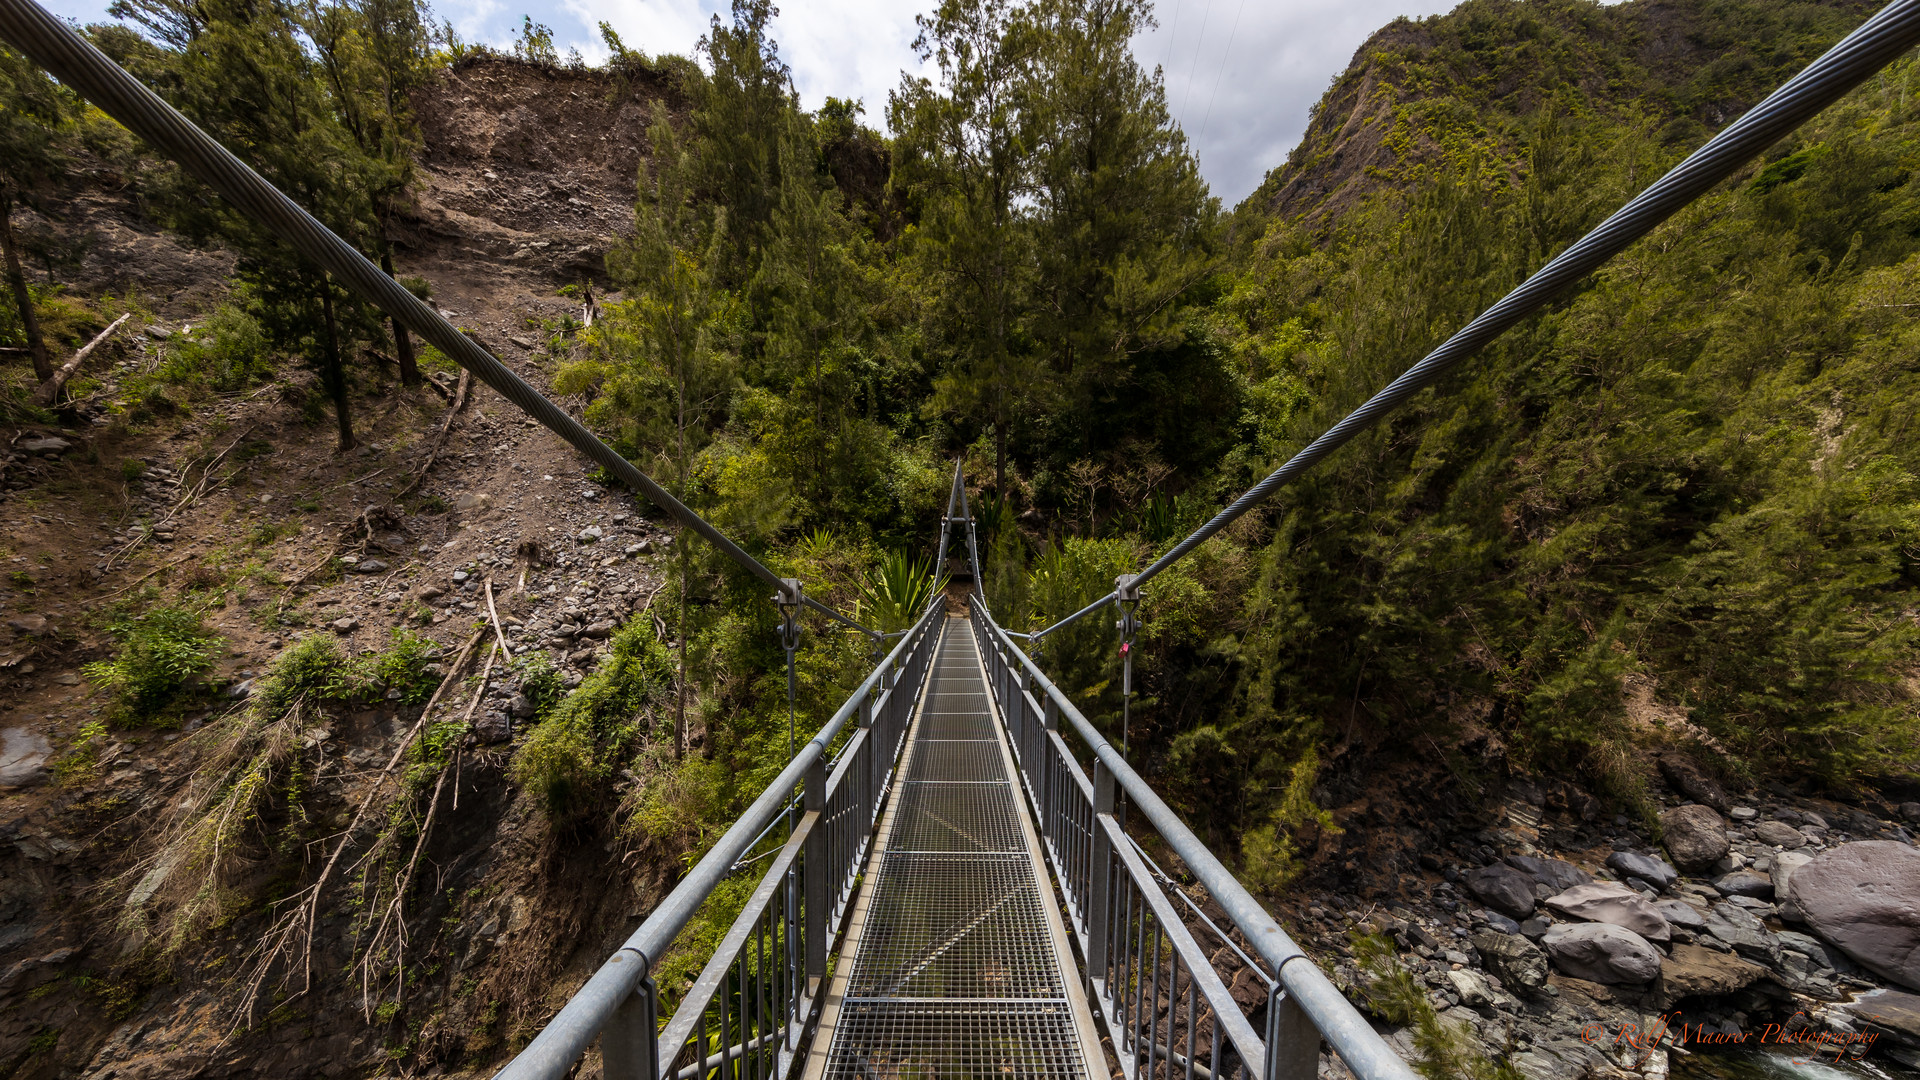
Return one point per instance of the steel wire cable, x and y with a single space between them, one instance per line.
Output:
59 49
1874 44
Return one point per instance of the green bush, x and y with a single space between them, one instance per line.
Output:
313 666
159 655
407 666
574 752
229 352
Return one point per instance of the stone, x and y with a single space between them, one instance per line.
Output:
1744 932
470 500
431 592
1651 869
1809 817
28 624
521 340
1682 915
1865 898
1617 905
158 333
1687 778
1518 962
460 577
1471 986
1557 875
1695 836
1691 971
1779 834
1534 929
492 728
67 678
370 566
23 758
241 690
45 445
1745 883
1910 811
1743 813
590 534
1503 889
345 625
1824 959
1500 922
1889 1010
1602 953
603 628
521 706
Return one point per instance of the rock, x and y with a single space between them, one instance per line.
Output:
370 566
1691 971
1471 986
492 728
1557 875
1694 836
1824 959
590 534
1784 864
345 625
1808 817
1500 922
1687 778
1681 914
28 624
566 630
1606 902
45 445
460 577
1518 962
23 758
1503 889
1910 811
1602 953
1779 834
158 333
1889 1010
67 678
1534 929
1745 883
469 500
1865 898
241 690
431 592
603 628
1651 869
521 706
1743 813
521 340
1744 931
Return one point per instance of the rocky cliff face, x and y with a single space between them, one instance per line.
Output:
1466 86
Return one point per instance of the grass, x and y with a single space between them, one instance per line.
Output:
156 667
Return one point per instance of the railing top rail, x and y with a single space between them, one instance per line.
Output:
1874 44
1362 1048
59 49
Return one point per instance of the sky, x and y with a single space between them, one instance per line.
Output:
1241 75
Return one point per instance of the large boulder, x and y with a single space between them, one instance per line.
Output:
1602 953
1687 778
1558 875
1651 869
1784 864
1681 914
1695 836
1779 834
1693 971
1519 962
1607 902
1865 899
1504 889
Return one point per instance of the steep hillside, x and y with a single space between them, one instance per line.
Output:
1465 86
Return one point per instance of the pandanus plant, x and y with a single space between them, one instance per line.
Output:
898 591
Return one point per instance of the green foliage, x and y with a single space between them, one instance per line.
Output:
1445 1050
312 667
898 592
83 755
228 352
407 666
540 680
574 751
158 656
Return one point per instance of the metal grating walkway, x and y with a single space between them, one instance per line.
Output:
956 964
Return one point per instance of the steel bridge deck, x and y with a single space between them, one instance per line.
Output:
956 964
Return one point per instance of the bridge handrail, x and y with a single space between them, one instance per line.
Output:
1871 46
567 1036
1346 1031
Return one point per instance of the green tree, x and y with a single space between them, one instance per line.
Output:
36 115
961 151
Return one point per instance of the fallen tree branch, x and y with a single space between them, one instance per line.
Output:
453 409
50 389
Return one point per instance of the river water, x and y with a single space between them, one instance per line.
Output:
1782 1064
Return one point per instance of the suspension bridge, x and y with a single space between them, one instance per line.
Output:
956 876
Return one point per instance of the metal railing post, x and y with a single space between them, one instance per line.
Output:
630 1043
1293 1043
816 873
1100 862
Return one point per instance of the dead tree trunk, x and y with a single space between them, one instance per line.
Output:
334 372
17 281
402 344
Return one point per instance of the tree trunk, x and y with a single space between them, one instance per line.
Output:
17 281
402 344
335 373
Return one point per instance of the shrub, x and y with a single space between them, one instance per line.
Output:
407 666
160 654
574 751
230 352
312 666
